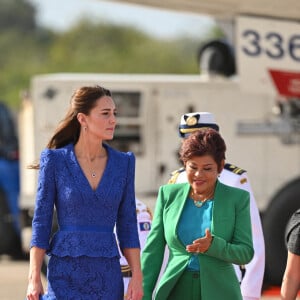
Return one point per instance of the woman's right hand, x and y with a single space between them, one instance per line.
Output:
202 244
35 286
34 289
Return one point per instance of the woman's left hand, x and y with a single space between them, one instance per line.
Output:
201 245
135 289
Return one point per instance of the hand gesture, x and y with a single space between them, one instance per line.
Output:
201 245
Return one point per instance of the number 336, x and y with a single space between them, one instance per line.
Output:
271 44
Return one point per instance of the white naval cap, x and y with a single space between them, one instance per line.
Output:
191 122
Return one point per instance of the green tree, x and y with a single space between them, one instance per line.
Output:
27 50
23 55
17 14
117 49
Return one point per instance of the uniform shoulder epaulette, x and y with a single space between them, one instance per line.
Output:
175 174
234 169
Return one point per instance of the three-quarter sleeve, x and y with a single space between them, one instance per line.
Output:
45 198
126 225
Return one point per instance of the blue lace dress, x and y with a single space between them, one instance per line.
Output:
84 256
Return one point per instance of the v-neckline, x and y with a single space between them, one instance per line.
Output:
83 174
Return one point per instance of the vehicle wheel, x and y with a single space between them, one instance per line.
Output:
217 58
275 220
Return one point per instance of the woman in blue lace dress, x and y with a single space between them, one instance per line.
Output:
91 186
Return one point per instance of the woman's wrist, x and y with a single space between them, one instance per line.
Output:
34 275
137 274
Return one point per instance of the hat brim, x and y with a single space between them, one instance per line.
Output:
185 129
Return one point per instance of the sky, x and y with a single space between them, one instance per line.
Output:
60 15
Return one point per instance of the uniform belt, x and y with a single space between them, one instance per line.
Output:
126 272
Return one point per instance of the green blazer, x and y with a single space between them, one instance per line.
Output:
232 243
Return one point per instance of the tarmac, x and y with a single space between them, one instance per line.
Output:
13 279
14 274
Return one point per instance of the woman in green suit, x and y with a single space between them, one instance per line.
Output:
205 225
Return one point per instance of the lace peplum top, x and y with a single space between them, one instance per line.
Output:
86 217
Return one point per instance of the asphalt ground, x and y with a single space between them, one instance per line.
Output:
13 281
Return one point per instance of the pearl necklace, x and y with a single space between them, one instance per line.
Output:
200 203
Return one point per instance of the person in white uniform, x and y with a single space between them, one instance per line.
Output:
250 275
144 221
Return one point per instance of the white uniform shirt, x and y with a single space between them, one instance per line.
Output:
251 284
144 221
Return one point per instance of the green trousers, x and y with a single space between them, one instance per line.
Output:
187 287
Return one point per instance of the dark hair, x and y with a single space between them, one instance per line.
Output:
82 101
206 141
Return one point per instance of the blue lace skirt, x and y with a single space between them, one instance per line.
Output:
84 278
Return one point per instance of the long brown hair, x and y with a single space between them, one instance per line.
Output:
83 101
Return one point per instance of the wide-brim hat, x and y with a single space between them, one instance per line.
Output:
191 122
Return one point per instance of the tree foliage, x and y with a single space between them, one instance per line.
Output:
28 50
114 49
17 14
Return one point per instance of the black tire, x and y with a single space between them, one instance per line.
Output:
217 57
275 220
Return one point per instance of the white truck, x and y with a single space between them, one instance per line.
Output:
258 112
149 110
